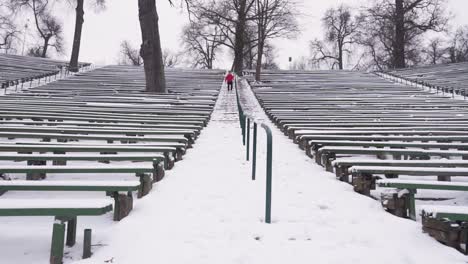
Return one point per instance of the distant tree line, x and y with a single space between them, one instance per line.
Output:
389 34
385 34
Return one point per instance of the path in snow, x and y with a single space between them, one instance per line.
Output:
207 210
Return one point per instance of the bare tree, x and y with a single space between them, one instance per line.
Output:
340 34
129 55
435 51
79 20
151 50
8 29
232 17
250 47
202 42
273 19
49 28
242 8
268 63
393 28
171 59
458 48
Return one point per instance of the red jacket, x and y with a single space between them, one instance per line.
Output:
229 77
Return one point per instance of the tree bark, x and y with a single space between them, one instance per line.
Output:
399 43
340 56
258 68
239 38
44 47
151 51
74 67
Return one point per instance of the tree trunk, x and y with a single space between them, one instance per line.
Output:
340 56
151 51
44 47
258 69
239 38
399 43
74 67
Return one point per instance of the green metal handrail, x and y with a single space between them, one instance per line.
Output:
245 120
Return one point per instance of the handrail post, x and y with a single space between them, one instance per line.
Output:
248 139
269 173
243 128
254 152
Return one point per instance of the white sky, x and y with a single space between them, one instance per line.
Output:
103 31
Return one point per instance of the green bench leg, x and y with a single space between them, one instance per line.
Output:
411 203
159 172
146 184
58 237
87 244
169 161
123 205
35 176
59 162
363 183
71 232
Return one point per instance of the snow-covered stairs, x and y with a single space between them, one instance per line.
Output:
207 210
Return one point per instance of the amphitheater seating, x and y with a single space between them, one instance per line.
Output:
369 131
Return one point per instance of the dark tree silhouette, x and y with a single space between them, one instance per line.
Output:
79 20
392 29
340 34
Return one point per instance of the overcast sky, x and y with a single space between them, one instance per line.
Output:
103 31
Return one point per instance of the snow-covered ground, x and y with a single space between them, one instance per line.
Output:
207 210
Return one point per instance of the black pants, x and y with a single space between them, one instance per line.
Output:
229 86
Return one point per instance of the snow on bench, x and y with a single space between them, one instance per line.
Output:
123 201
455 213
64 210
23 205
402 202
410 171
420 184
83 185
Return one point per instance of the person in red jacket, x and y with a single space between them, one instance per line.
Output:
229 79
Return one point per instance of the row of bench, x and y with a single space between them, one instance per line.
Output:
15 69
373 133
89 133
444 78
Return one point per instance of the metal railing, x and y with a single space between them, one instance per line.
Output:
245 120
422 84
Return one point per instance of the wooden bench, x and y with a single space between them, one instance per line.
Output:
106 149
121 191
342 165
143 172
402 201
364 181
108 138
304 141
64 211
326 155
447 224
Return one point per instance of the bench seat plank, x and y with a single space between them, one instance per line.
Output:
428 185
410 171
54 207
77 169
110 157
115 186
454 213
